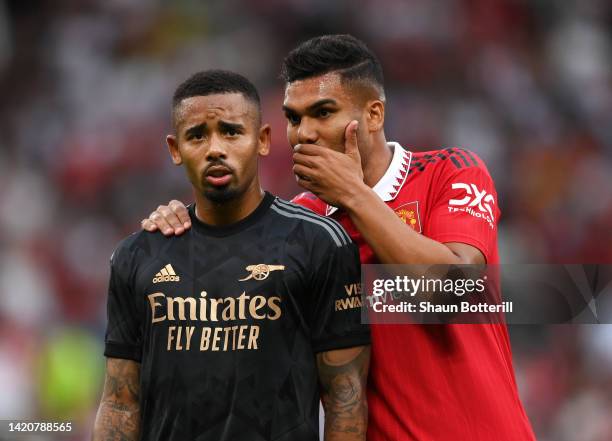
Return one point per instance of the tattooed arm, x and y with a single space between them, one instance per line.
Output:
342 375
118 416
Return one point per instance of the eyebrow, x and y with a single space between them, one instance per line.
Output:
313 106
194 129
225 125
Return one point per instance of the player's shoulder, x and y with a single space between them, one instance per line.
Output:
138 245
124 251
449 160
318 227
310 201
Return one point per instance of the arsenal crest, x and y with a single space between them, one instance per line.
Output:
409 214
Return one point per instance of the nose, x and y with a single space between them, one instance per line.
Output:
216 150
306 132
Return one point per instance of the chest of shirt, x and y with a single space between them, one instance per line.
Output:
216 282
412 205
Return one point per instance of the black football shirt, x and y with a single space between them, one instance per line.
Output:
226 322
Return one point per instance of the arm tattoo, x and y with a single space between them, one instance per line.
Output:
118 417
343 392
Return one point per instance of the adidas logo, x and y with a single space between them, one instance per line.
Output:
166 274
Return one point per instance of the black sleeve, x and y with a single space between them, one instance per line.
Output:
124 331
336 317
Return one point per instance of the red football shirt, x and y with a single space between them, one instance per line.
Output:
439 382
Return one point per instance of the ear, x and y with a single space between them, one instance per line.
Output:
174 149
375 115
265 134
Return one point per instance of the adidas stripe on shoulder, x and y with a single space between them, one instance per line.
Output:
333 228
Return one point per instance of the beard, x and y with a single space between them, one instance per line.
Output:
221 195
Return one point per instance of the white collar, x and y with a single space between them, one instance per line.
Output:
394 178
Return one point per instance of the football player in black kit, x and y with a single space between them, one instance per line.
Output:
236 329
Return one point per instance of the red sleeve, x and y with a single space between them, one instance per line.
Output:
310 201
465 208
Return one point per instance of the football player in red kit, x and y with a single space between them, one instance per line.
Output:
427 382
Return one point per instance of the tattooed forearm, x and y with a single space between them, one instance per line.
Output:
343 375
118 417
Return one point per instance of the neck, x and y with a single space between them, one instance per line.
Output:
228 212
377 160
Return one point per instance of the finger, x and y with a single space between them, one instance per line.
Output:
350 138
306 184
305 160
161 223
305 173
148 225
310 149
181 212
171 218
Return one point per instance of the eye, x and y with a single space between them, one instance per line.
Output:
323 113
293 119
196 135
232 132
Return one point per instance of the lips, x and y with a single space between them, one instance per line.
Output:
218 175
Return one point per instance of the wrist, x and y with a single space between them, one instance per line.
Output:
355 198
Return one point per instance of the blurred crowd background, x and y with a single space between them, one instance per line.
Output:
85 88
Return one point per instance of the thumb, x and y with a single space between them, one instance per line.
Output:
350 139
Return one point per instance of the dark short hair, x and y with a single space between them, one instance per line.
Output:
343 53
210 82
